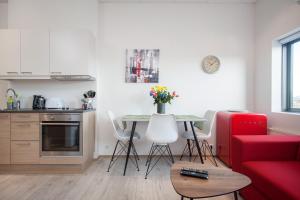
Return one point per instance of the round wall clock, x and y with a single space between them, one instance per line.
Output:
210 64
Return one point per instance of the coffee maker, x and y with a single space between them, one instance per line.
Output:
39 102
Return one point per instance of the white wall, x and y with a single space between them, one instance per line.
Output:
53 14
273 19
184 33
3 15
3 25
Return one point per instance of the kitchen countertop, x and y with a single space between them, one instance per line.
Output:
30 110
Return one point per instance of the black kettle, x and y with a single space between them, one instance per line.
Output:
39 102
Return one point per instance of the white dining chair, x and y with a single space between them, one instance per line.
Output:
162 131
123 137
203 135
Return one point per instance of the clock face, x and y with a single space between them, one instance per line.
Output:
210 64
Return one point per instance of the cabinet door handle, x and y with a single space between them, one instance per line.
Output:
26 72
55 72
24 116
59 124
12 72
23 125
23 144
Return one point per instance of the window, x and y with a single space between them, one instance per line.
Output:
291 75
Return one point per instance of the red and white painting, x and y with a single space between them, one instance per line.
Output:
142 66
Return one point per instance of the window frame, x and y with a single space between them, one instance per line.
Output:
287 77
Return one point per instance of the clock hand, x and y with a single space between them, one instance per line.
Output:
214 63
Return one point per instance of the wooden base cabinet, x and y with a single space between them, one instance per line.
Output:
4 151
20 146
25 138
4 138
25 131
4 125
25 152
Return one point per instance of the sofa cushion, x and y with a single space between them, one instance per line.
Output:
251 193
277 180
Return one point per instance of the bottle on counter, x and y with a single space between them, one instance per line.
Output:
10 103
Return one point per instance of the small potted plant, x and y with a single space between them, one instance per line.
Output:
161 96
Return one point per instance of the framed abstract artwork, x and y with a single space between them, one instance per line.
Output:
142 66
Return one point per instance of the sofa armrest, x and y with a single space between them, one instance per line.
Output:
264 148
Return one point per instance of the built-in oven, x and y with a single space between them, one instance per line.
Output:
61 134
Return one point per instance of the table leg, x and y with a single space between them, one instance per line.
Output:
185 126
129 146
235 195
197 143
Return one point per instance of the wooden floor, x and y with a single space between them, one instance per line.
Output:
95 184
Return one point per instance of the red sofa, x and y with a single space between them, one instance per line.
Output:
236 123
272 162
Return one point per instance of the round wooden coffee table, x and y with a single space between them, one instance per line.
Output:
220 181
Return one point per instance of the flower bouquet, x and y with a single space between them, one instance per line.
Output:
161 96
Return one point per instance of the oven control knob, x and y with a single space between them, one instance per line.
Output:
52 117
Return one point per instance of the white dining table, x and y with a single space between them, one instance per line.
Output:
146 118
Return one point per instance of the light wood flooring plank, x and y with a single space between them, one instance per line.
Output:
95 184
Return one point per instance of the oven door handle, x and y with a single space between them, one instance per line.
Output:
60 124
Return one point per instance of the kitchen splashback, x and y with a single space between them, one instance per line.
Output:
4 85
71 91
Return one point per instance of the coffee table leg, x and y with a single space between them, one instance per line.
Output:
182 198
236 195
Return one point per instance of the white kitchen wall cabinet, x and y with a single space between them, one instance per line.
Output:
9 52
72 53
40 54
35 52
